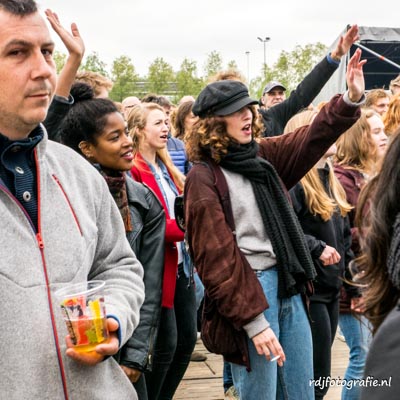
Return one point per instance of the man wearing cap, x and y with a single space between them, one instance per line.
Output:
273 93
276 110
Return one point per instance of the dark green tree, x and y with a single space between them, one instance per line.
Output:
291 67
233 65
124 77
59 59
213 64
161 78
94 64
187 82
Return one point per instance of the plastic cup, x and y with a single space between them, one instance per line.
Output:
83 308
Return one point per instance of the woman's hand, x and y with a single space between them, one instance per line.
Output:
345 42
266 343
329 256
355 77
357 304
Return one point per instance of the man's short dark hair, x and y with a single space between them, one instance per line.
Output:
18 7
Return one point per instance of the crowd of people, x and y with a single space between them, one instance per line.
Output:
266 225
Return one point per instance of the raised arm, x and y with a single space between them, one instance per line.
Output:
76 49
355 77
345 42
276 117
294 154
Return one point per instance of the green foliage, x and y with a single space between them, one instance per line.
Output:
233 65
124 77
160 77
59 59
94 64
291 67
213 64
187 82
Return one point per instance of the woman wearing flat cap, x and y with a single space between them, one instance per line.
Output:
245 240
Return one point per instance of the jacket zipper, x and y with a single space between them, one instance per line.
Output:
150 351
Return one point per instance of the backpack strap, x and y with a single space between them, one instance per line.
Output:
223 192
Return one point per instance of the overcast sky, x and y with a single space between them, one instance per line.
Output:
175 29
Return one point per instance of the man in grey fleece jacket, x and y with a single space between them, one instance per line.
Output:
58 225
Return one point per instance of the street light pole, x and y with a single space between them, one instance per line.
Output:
265 40
248 67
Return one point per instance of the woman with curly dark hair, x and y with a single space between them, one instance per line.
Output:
381 266
245 239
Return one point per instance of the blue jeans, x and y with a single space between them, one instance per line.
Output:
288 320
227 376
199 289
358 338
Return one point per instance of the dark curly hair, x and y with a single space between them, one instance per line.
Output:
209 138
87 117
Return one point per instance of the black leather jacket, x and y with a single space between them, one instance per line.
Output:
147 241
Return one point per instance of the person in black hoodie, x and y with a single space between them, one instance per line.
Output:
320 204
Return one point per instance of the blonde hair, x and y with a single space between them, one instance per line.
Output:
229 74
391 119
300 119
318 201
136 124
95 80
355 148
374 95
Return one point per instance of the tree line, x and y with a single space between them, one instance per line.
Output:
290 68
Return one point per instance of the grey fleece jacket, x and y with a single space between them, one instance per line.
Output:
81 237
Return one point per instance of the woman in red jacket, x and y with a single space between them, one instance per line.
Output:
176 339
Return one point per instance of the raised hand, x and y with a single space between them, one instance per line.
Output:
72 40
76 49
355 77
345 43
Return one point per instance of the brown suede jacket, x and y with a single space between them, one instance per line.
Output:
228 281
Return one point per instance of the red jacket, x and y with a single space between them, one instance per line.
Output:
142 173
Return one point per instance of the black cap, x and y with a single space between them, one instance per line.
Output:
222 98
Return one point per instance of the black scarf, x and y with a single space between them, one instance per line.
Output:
116 182
295 266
